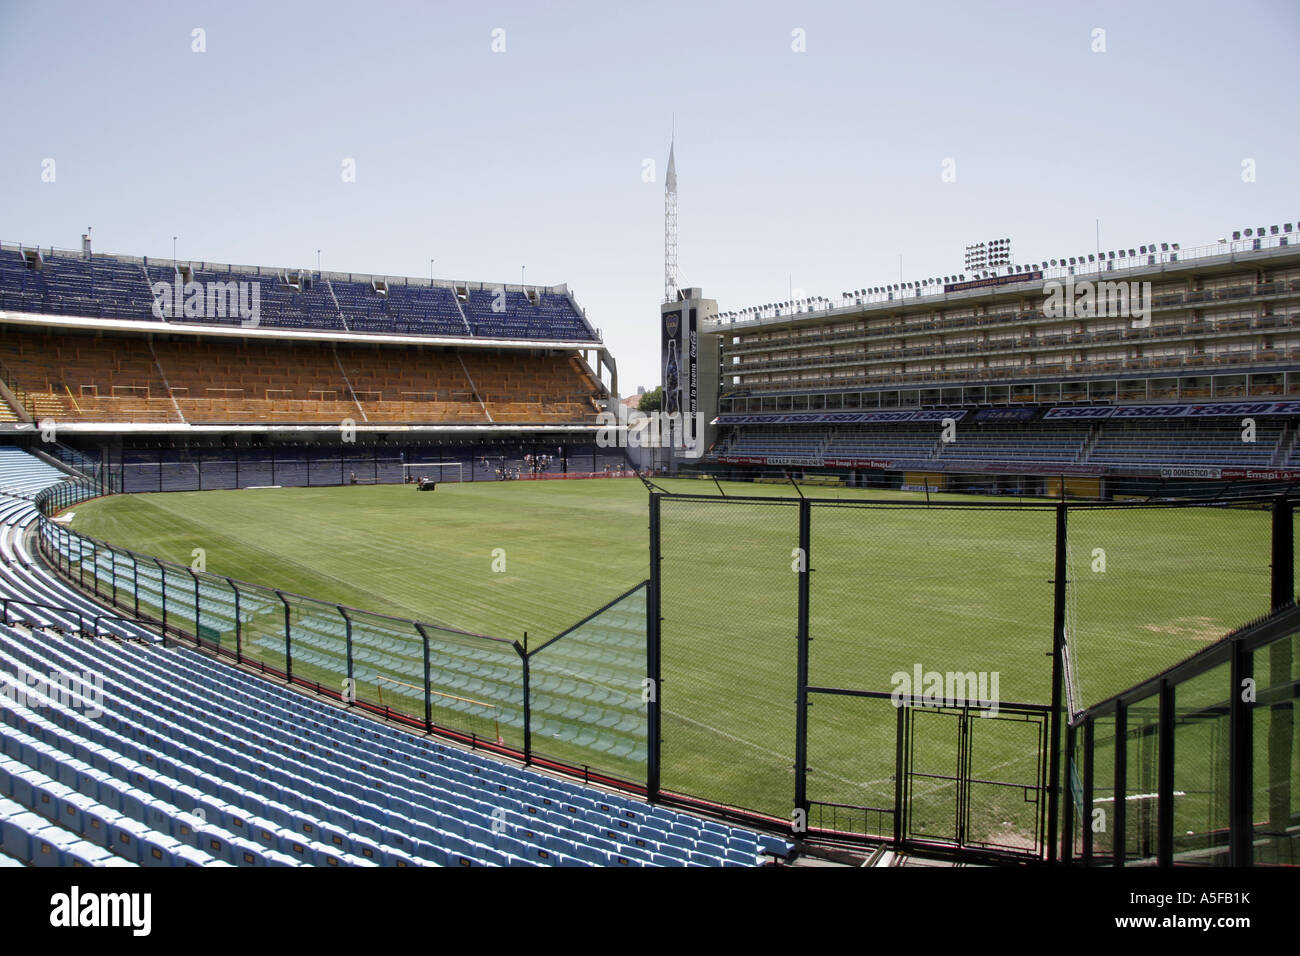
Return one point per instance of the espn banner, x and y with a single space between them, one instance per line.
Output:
840 418
895 464
1202 410
876 463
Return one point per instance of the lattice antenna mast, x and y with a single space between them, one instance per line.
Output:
670 228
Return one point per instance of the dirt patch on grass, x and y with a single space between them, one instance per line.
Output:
1203 629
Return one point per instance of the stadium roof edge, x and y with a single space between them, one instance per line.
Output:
171 328
206 265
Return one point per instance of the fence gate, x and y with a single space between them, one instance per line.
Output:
852 763
957 786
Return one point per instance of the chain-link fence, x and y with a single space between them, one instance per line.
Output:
794 631
903 668
866 668
1150 585
728 598
577 701
138 470
588 693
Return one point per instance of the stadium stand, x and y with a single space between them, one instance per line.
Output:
163 757
1121 447
778 443
72 376
23 475
899 443
49 282
1178 444
1000 443
293 360
1211 331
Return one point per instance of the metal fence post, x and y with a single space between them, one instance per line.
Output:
801 641
899 773
194 575
1283 555
162 587
652 656
288 639
1281 716
239 624
1067 816
1165 778
1089 738
522 651
1118 806
347 644
428 679
1058 652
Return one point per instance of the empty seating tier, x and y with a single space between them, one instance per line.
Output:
115 287
1120 447
69 376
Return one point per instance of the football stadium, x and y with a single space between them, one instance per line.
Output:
1101 503
312 567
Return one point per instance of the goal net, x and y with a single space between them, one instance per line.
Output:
412 472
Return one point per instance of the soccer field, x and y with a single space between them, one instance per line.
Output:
894 588
569 546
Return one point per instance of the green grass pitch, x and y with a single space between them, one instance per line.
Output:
893 588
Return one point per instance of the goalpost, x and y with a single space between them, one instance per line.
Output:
437 470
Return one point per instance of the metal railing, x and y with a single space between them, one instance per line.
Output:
1194 767
632 688
571 703
42 621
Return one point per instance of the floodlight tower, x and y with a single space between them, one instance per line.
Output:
670 228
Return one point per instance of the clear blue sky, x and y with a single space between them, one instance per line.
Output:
816 168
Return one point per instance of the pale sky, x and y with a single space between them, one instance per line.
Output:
812 168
